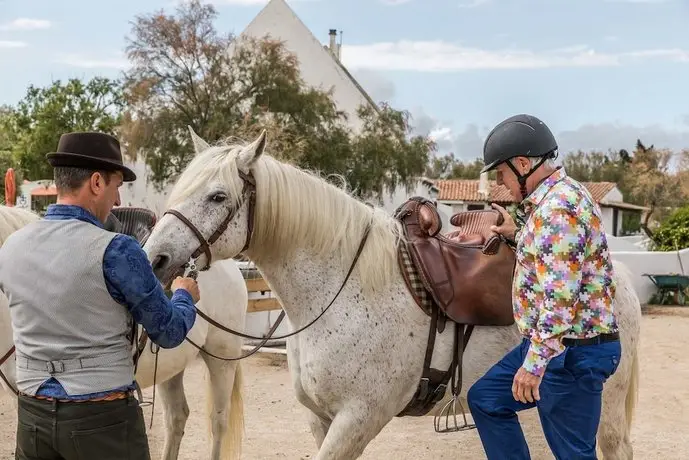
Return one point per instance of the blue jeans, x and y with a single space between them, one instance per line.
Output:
569 408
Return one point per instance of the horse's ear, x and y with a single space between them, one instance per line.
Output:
199 144
251 152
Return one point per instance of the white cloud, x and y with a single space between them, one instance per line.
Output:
441 56
26 24
84 62
604 136
639 1
12 44
377 86
250 2
472 3
467 142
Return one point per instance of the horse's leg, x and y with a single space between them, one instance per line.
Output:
319 428
352 429
225 409
176 412
615 425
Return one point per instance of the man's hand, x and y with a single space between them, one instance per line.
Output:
508 229
525 386
188 284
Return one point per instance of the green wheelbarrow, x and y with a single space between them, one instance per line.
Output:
670 286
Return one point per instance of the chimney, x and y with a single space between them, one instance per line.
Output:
334 47
483 188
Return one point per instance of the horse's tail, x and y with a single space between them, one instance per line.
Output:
232 442
632 391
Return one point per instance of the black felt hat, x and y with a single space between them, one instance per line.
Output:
92 151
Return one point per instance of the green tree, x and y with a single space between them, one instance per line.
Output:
183 75
45 114
597 166
449 167
673 233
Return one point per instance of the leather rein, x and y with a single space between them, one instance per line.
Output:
249 196
3 376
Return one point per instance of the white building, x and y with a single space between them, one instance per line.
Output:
319 64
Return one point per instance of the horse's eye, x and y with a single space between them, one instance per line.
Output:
218 197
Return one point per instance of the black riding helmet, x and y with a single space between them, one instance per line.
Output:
519 136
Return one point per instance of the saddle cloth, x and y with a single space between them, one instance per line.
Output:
467 273
135 222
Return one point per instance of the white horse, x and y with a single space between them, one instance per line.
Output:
358 365
225 299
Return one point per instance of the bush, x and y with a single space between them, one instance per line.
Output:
673 233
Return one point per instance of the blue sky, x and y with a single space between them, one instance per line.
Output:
600 73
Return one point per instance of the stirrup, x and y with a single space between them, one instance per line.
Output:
450 409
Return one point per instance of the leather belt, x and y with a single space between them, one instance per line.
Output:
597 340
109 397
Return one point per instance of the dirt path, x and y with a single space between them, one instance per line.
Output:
276 426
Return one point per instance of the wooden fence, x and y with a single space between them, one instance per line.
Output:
256 305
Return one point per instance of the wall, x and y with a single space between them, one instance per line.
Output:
141 193
318 69
640 262
607 219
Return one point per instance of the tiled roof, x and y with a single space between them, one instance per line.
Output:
467 190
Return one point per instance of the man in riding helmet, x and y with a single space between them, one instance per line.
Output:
563 293
75 292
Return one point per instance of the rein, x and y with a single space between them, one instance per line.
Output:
249 195
3 376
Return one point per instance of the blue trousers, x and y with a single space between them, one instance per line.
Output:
569 408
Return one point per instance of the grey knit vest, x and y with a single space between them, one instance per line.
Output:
65 323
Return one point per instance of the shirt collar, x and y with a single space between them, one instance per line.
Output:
535 198
68 211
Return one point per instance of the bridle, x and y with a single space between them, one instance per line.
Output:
249 196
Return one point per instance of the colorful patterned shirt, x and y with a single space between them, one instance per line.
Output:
563 283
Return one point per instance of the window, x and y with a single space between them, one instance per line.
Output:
474 207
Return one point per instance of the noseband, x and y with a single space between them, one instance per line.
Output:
248 194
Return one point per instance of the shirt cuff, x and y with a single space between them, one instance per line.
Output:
181 292
538 357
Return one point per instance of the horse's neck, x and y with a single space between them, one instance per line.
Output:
6 339
305 284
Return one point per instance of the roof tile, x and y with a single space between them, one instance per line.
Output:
467 190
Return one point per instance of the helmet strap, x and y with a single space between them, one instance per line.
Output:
522 179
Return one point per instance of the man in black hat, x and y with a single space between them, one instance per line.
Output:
75 290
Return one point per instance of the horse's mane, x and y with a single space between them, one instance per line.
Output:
12 219
295 208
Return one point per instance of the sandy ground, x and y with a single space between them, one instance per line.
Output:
276 426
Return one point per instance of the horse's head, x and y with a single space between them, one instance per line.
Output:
210 209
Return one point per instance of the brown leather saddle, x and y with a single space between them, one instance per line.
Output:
468 273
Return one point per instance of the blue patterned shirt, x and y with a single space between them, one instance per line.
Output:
130 281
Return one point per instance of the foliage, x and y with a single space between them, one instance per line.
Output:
34 127
183 75
449 167
644 177
673 233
